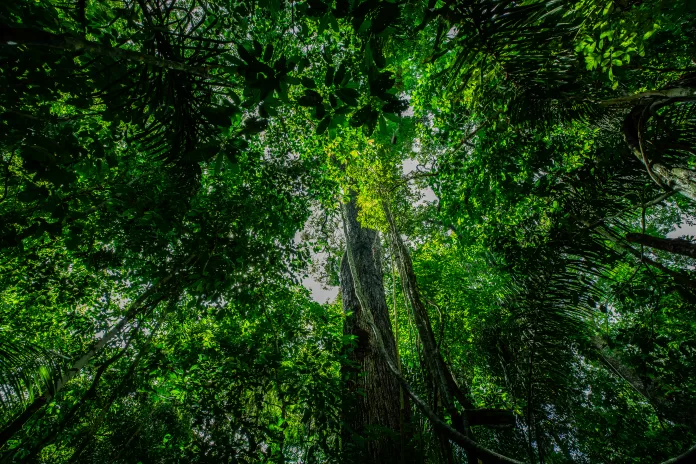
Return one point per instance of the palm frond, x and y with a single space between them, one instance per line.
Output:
26 369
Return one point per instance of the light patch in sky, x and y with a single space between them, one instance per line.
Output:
427 195
685 229
320 294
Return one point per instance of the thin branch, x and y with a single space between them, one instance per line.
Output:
677 92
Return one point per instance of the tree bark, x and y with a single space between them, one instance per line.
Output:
374 407
671 245
485 455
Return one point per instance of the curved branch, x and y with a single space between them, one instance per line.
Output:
670 245
679 179
688 457
676 92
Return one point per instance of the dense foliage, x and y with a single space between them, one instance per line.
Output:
522 172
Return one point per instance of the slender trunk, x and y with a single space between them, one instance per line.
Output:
90 393
440 372
375 403
447 386
671 245
17 424
74 370
105 409
405 411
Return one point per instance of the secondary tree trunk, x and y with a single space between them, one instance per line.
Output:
373 408
671 245
448 389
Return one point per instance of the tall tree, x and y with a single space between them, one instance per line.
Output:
376 406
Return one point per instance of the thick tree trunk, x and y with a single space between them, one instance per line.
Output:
374 408
671 245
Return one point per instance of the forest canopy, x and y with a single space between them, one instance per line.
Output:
503 192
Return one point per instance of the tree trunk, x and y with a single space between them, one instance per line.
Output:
442 375
671 245
103 412
377 340
72 413
374 408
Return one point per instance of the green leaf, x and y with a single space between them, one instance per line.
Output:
254 125
268 53
308 83
32 193
349 96
340 75
361 116
323 125
328 80
365 26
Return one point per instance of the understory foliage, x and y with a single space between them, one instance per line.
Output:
173 171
